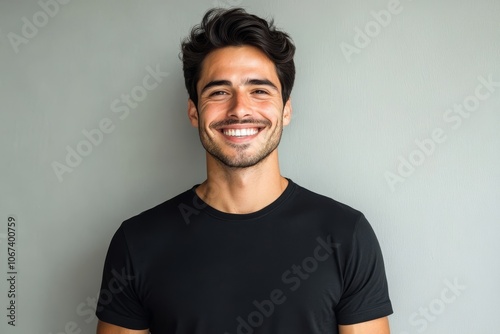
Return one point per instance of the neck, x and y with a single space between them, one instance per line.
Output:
242 190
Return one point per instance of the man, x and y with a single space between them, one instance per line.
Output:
248 250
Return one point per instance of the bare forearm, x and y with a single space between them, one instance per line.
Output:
377 326
106 328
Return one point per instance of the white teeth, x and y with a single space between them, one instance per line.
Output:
240 132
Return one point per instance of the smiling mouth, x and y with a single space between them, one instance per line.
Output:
240 133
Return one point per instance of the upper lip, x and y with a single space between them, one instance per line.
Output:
241 126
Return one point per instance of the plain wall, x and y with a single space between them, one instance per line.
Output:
376 125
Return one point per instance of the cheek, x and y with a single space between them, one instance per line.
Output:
213 108
272 111
208 116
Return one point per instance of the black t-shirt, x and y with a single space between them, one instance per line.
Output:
303 264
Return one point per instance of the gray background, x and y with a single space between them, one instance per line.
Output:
355 118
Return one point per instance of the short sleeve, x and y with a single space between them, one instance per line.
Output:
365 293
118 298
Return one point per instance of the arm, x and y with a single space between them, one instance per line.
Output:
365 304
107 328
119 310
377 326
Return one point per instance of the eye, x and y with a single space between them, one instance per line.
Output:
260 91
217 93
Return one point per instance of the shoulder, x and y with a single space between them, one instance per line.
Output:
162 217
322 205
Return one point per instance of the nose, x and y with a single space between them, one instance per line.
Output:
240 106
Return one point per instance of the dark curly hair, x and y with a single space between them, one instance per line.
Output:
235 27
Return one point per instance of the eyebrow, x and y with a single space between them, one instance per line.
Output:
251 82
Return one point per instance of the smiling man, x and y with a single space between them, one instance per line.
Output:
248 250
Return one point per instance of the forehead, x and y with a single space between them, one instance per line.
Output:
237 64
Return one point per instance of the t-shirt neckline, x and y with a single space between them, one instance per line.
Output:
246 216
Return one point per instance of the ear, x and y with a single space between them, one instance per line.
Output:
193 113
287 112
